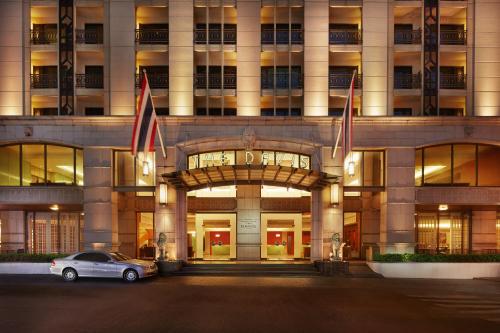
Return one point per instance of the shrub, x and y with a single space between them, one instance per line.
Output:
411 257
29 257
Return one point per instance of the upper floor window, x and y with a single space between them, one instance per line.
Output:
40 164
457 164
364 168
130 171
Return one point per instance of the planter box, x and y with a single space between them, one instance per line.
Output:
168 267
436 270
24 268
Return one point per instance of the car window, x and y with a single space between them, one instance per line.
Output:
117 256
100 257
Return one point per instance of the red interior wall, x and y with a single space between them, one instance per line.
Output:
306 237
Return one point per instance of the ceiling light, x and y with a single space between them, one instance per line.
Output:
54 208
443 207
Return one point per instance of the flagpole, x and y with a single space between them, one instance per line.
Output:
337 142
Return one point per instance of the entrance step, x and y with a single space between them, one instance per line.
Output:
242 269
359 269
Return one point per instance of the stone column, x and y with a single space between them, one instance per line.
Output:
248 58
12 17
248 222
100 203
486 58
180 225
165 215
374 58
122 54
397 206
180 23
316 226
316 52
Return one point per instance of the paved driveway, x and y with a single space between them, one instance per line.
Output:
248 304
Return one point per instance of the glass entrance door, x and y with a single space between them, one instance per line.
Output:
352 231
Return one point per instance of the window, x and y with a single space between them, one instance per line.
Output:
9 165
94 111
60 165
488 165
134 171
443 232
33 165
457 164
437 165
364 168
54 232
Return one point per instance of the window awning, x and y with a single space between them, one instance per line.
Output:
274 175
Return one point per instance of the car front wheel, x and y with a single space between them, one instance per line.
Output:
69 275
130 275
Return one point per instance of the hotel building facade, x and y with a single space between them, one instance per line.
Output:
249 96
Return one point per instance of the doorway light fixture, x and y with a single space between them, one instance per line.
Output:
350 169
335 194
163 194
443 207
145 168
55 208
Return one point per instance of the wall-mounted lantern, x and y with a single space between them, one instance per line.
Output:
163 194
335 194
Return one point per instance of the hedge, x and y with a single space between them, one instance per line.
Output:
28 257
410 257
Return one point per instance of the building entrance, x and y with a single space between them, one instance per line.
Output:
212 236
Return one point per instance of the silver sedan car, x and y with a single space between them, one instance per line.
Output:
102 264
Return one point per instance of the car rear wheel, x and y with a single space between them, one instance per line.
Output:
130 275
69 275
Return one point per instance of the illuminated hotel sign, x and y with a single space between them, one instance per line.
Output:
246 157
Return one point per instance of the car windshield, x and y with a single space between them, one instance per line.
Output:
117 256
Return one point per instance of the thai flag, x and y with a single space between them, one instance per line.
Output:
347 120
143 137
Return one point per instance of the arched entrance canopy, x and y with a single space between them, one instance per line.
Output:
274 175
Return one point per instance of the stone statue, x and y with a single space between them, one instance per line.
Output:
337 246
162 240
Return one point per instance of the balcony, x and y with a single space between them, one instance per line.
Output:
44 37
284 36
408 36
90 81
215 81
343 80
215 34
282 80
344 37
43 81
452 81
148 36
156 80
407 81
453 37
89 36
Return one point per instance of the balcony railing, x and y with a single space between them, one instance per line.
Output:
89 81
407 81
156 80
43 37
408 36
215 81
283 36
284 80
342 37
88 36
343 80
43 81
452 81
151 36
453 37
215 36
